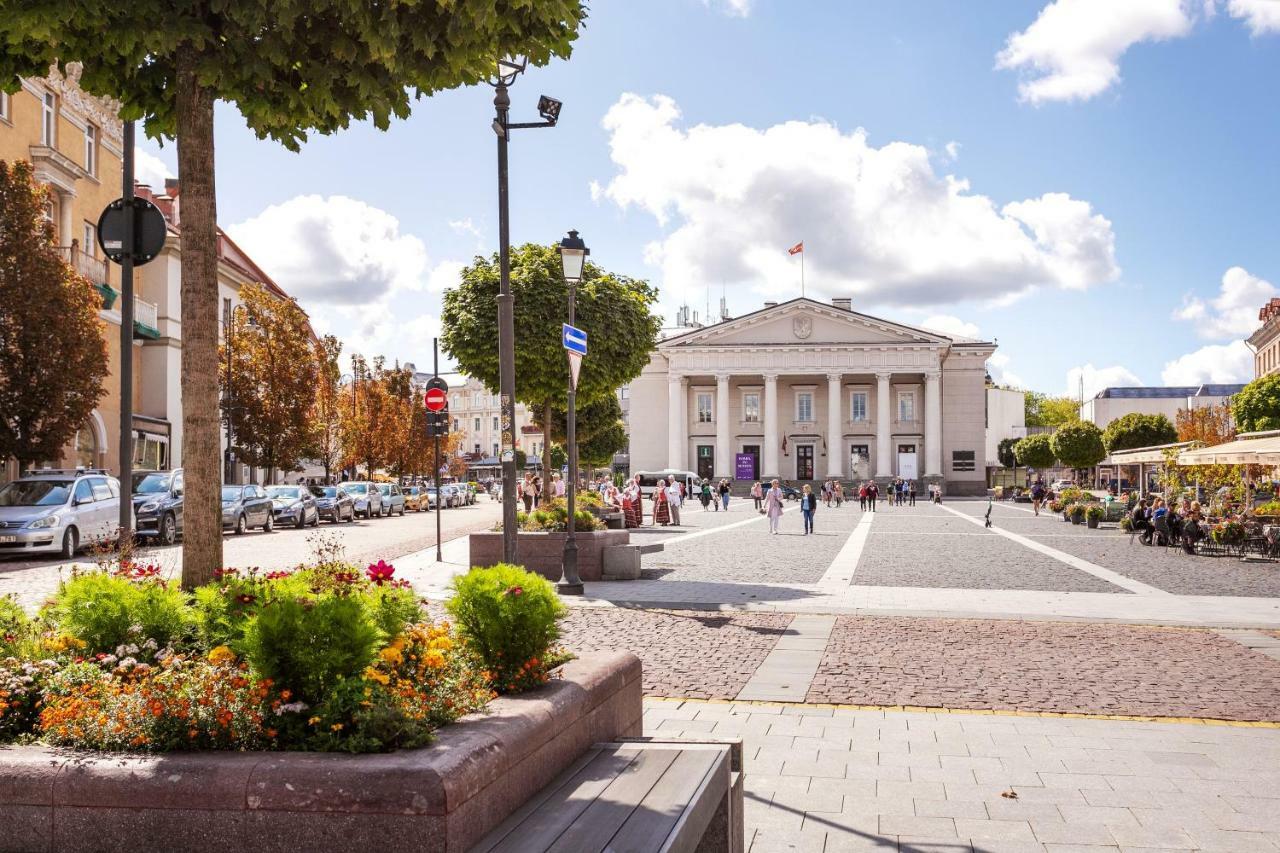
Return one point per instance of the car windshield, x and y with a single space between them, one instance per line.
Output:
35 493
155 483
230 493
284 492
385 488
358 488
325 491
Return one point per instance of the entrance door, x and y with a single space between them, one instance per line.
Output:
754 450
859 462
804 462
706 461
907 461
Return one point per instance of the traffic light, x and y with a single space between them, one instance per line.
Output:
438 424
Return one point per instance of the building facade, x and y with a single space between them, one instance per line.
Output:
1265 342
1111 403
806 391
475 413
1006 418
74 143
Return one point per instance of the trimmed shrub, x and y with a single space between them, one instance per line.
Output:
129 607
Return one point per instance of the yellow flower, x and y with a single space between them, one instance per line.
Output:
336 727
373 675
441 644
433 659
221 655
313 721
392 655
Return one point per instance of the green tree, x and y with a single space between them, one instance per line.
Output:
50 372
1043 410
273 380
615 311
291 69
1078 445
599 431
1005 452
1035 451
1138 430
1257 406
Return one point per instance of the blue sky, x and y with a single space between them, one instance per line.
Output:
1091 182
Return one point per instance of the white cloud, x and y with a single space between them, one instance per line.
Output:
445 275
953 150
1072 50
878 223
998 367
1097 378
733 8
1232 362
949 325
333 249
149 169
1233 313
1261 16
464 226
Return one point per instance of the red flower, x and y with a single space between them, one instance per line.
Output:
515 591
380 572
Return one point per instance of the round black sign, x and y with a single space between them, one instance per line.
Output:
437 382
149 230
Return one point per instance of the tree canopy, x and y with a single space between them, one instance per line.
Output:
1043 410
50 372
1078 445
1005 452
599 431
615 311
1035 451
1138 430
1257 406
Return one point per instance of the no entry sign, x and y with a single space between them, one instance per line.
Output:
435 400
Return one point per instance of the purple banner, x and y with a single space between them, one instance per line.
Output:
744 466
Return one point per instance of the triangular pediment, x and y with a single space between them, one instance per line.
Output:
804 321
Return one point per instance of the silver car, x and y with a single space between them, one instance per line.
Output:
58 511
367 497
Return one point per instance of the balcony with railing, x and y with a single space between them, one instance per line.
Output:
146 319
94 269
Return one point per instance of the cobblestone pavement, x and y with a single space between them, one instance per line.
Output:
693 654
823 780
966 559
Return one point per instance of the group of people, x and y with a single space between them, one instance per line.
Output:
716 496
1182 525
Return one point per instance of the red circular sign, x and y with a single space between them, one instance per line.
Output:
435 400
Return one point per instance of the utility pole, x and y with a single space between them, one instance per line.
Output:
126 344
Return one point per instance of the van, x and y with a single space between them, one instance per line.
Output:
649 479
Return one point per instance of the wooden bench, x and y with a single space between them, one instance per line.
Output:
634 796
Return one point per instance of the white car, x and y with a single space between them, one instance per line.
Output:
58 511
1058 485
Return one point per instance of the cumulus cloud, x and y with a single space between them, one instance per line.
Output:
998 367
733 8
949 325
149 169
1097 378
1260 16
1227 363
1072 51
333 250
877 223
1233 313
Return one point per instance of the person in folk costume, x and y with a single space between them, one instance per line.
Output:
661 508
633 503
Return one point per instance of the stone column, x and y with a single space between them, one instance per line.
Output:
933 423
724 451
884 411
683 455
66 226
769 465
675 422
835 425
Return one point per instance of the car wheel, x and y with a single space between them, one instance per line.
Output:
168 529
270 524
70 543
302 519
315 522
402 511
351 519
241 524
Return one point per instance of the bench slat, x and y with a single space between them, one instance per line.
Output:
670 810
543 819
602 819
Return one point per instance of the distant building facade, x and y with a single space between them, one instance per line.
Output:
1265 342
1112 403
1006 418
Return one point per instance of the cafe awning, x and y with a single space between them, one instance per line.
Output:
1153 455
1250 448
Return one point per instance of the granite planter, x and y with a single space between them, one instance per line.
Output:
544 552
441 798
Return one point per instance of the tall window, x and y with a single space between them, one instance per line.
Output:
906 406
91 149
4 105
858 406
477 425
48 119
804 406
704 408
751 408
495 424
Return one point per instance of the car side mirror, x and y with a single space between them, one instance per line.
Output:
177 493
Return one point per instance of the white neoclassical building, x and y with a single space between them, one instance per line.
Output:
805 390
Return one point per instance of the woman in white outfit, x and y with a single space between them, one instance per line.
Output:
773 505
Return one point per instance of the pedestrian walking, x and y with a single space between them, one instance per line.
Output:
674 498
724 494
808 506
773 506
757 494
862 497
839 489
873 491
1037 496
911 492
704 495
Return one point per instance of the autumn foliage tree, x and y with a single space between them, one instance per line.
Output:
325 445
290 69
53 357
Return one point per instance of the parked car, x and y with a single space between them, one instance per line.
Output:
367 498
415 498
452 495
157 505
333 503
246 506
433 497
58 511
392 498
293 505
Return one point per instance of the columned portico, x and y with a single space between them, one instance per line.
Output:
933 423
675 422
884 411
835 425
724 452
770 468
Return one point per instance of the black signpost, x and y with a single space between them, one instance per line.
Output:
436 401
131 232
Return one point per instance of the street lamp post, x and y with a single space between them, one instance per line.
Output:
508 69
573 256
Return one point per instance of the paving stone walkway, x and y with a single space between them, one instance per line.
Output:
825 780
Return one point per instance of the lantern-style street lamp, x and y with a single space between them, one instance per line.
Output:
573 259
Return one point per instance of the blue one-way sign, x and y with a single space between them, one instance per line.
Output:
575 340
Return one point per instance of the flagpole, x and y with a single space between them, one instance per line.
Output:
802 273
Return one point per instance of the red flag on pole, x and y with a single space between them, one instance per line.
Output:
796 249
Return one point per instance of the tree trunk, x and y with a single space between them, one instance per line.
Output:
546 448
201 452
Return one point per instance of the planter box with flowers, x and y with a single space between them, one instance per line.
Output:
139 717
540 542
